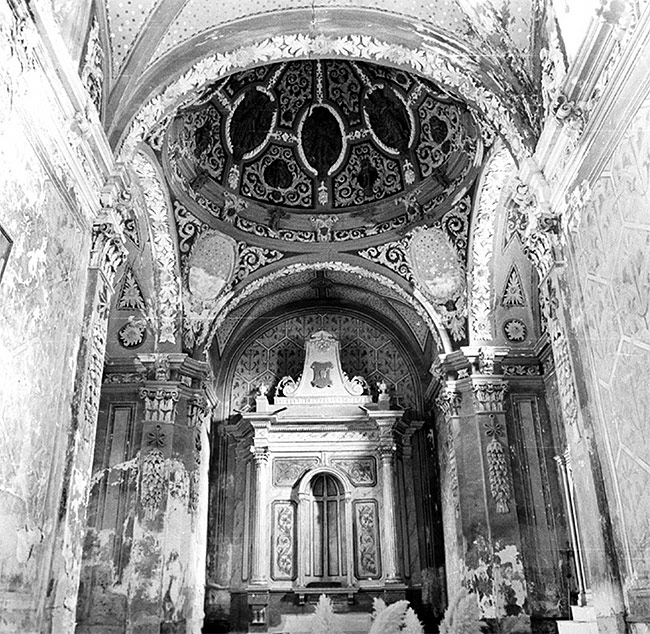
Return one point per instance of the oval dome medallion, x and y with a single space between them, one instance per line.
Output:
322 140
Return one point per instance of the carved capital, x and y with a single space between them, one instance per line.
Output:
568 114
107 249
449 402
489 396
160 403
198 411
260 455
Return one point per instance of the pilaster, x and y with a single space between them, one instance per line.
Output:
107 253
484 550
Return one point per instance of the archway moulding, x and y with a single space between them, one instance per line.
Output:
429 57
233 299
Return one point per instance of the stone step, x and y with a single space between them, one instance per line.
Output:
585 613
577 627
352 623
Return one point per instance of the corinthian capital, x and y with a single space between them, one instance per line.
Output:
489 396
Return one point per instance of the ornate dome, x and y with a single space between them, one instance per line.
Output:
320 150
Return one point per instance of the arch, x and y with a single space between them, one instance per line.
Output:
308 476
416 300
432 56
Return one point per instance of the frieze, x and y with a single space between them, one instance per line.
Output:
521 370
286 471
125 377
361 471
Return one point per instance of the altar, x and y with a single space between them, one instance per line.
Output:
327 510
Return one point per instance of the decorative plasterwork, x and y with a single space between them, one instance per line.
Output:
513 291
437 65
499 168
130 296
499 476
163 246
449 402
252 258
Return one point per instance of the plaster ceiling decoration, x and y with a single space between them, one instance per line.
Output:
322 150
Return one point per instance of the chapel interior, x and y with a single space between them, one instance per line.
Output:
325 297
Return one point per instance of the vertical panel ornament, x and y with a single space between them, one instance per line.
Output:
283 540
499 477
366 546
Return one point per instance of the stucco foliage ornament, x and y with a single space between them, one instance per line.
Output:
153 477
163 246
499 168
439 66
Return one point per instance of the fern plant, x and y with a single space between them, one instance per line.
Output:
463 615
324 621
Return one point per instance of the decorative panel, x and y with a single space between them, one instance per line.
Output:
361 470
367 564
287 470
284 540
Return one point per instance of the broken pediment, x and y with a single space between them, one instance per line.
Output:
322 379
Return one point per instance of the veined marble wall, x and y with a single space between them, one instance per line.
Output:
42 296
610 303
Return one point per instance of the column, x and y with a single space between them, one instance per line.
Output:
390 533
391 570
260 563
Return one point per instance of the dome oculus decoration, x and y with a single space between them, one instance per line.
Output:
324 137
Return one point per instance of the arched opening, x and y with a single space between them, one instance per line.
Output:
326 562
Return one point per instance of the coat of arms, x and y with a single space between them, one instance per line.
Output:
322 376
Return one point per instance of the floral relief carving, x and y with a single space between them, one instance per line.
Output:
284 527
367 539
287 470
361 471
